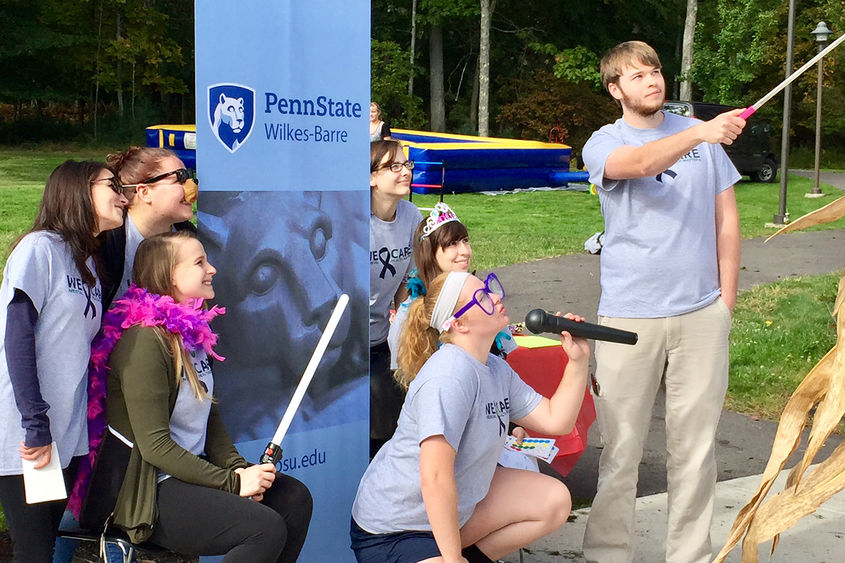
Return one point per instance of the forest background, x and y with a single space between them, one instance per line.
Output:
99 71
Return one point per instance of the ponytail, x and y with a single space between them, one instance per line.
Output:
418 340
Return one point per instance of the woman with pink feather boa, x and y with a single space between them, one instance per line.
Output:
185 486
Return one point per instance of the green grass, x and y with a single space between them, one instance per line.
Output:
511 228
779 332
758 203
505 229
518 227
22 177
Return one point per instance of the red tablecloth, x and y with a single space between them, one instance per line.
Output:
542 368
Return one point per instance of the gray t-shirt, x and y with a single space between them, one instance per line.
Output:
189 420
391 261
395 331
659 252
134 238
69 315
467 402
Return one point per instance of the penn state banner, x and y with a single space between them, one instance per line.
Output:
282 92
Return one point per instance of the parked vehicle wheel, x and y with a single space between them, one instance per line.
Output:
767 172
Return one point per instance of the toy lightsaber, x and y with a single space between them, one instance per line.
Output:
750 111
273 451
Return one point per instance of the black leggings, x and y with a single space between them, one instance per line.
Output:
33 527
197 520
386 398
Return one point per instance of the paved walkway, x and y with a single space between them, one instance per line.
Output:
819 538
570 283
835 179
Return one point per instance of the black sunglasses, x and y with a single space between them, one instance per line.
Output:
182 176
114 184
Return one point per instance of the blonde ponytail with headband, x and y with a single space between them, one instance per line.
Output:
424 328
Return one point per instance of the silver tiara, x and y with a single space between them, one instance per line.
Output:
439 216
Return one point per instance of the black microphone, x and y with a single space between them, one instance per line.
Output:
538 321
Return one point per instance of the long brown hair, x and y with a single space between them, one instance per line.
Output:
67 209
425 249
155 260
418 340
136 164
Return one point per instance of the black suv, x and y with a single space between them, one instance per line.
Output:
751 152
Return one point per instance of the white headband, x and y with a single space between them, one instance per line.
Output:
446 301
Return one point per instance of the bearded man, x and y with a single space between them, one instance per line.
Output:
669 271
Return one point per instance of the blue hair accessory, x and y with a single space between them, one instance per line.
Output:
415 285
505 342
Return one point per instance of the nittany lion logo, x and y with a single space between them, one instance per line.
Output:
231 113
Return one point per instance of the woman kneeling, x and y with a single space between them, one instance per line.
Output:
434 492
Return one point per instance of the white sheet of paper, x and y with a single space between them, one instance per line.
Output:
516 460
45 484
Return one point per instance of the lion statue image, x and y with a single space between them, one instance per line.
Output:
229 111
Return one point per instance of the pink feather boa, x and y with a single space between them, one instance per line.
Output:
137 307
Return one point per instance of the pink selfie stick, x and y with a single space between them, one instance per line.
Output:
788 80
273 451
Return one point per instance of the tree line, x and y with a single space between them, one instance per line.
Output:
511 68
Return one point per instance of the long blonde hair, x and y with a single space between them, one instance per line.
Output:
155 260
418 340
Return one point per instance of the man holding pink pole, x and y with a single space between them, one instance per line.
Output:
669 270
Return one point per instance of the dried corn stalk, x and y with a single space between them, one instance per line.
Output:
761 519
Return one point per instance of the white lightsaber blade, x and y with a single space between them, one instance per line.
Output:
788 80
270 455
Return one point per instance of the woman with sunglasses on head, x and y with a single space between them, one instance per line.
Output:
434 492
161 192
52 305
392 223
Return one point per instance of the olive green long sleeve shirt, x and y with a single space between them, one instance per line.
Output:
142 390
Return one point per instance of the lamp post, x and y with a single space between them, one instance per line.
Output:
781 216
822 34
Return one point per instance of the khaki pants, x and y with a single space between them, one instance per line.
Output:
689 353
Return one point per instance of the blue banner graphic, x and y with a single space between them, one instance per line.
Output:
282 98
301 69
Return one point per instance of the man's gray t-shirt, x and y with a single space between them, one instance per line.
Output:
659 253
69 313
391 261
467 402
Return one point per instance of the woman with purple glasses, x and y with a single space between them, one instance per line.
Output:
434 493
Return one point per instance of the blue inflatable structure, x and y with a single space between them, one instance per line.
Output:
445 163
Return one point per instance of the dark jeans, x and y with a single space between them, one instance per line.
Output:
197 520
386 398
402 547
33 527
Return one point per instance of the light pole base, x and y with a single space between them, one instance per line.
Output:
813 195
